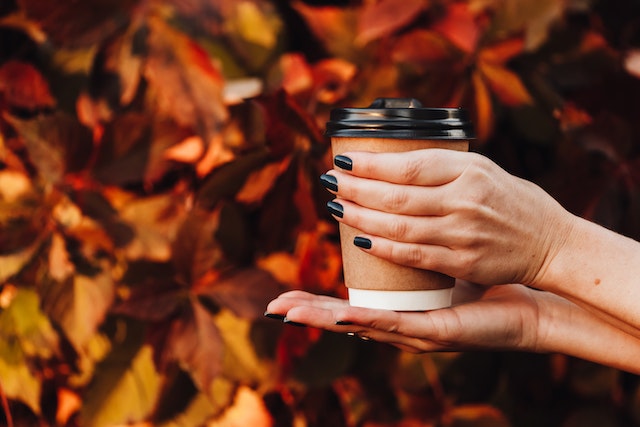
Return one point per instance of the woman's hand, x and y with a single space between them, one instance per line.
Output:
509 317
453 212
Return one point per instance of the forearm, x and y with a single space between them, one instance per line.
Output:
600 270
571 330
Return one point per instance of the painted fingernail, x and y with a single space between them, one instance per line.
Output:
273 316
330 182
335 208
292 323
362 242
343 323
343 162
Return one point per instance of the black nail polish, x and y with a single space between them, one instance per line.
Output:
273 316
335 208
292 323
362 242
343 162
330 182
343 323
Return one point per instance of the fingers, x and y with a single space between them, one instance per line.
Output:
429 167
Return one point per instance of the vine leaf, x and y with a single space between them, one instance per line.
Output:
383 18
185 83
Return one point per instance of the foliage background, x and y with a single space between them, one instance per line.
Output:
158 185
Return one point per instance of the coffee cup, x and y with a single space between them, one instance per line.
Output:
394 125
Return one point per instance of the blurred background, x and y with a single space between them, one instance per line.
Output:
159 166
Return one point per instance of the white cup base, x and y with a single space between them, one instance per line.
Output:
401 300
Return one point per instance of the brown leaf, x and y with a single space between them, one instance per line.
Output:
505 84
245 292
185 83
260 182
24 87
56 143
477 415
382 18
193 341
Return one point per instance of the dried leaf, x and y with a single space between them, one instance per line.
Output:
260 182
24 87
503 51
382 18
60 267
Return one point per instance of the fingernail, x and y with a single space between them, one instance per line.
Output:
292 323
273 316
335 208
362 242
330 182
343 162
343 323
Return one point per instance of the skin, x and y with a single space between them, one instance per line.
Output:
462 215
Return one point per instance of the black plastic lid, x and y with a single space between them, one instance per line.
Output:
402 118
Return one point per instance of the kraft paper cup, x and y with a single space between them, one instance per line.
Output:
394 125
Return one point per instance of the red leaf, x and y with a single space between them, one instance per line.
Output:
500 53
22 86
423 48
383 18
461 26
483 108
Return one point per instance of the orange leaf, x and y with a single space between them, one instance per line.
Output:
23 86
296 73
505 84
503 51
484 108
383 18
248 409
478 415
460 26
260 182
422 47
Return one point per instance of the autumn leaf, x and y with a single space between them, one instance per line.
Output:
422 48
57 144
461 26
72 24
335 27
124 389
477 416
382 18
24 87
185 83
193 342
79 305
245 292
505 84
247 409
483 103
27 335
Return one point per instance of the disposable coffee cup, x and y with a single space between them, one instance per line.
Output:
394 125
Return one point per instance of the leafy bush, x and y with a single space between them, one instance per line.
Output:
158 185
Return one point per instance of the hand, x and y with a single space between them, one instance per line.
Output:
508 317
453 212
503 317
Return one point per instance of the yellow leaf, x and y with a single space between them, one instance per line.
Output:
254 25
